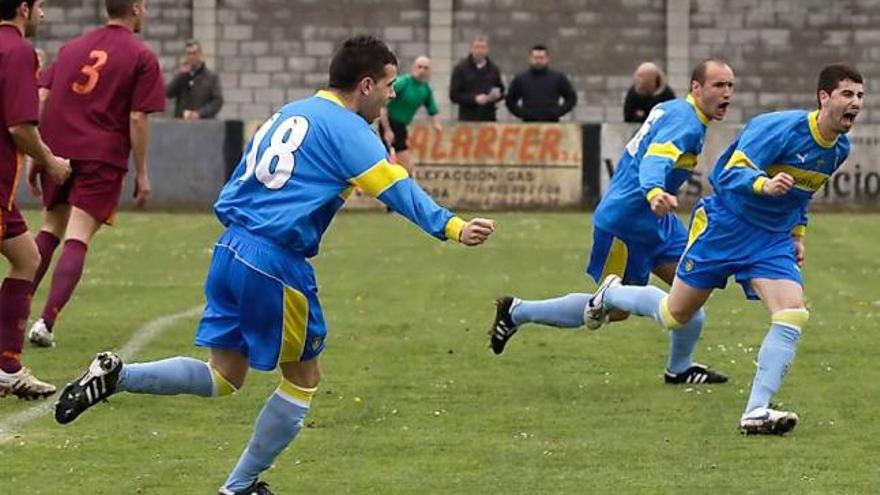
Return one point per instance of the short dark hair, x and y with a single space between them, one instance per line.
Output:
831 75
193 42
8 8
119 8
357 58
699 73
539 47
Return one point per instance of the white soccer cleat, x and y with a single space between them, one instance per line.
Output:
40 336
595 314
767 421
24 385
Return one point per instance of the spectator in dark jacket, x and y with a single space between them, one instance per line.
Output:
535 94
649 88
195 89
476 84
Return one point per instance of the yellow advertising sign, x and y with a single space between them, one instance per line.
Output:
492 165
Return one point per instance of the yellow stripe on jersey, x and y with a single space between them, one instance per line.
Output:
698 226
329 96
799 230
813 117
664 150
806 180
299 395
700 115
296 319
453 229
380 177
740 159
687 161
615 263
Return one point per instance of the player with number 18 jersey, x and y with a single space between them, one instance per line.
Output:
295 175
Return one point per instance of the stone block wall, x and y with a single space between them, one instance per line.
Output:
270 51
777 48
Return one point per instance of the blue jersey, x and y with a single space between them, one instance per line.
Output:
660 157
770 144
302 164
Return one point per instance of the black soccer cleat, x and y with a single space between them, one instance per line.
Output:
258 488
95 385
503 327
696 374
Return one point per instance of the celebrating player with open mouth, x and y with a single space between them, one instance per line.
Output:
753 228
636 230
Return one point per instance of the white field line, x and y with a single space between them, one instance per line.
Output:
141 338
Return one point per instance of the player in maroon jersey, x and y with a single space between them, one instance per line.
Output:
98 94
19 135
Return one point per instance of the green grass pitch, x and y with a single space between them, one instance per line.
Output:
413 401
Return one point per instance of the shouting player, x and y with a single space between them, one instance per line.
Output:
98 95
636 231
262 304
19 111
752 228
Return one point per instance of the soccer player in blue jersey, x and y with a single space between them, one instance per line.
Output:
753 228
262 306
636 232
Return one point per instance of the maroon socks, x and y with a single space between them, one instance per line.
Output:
65 278
46 244
15 306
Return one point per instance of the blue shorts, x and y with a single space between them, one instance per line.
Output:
721 245
262 302
631 260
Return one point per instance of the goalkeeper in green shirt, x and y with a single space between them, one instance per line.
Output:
413 91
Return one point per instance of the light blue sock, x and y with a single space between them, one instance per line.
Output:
276 427
645 301
775 355
682 342
565 312
642 301
178 375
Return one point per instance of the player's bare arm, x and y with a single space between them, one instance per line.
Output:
32 171
27 139
140 135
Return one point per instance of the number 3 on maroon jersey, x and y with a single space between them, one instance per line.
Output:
92 71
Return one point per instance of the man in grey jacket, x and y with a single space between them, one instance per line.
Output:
195 89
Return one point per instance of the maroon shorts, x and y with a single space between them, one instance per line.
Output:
12 224
93 187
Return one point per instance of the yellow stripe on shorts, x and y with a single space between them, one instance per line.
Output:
296 320
698 226
615 263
